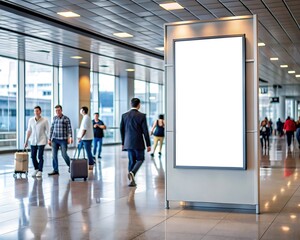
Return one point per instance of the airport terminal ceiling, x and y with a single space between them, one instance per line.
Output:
33 30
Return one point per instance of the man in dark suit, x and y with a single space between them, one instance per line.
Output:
134 134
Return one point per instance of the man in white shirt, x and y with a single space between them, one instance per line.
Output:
37 134
85 135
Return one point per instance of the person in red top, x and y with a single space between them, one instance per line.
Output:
289 127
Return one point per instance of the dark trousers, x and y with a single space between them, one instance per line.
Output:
37 151
136 159
289 135
264 139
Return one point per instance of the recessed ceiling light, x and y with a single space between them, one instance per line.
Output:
285 228
290 72
274 58
130 70
298 75
160 48
284 66
76 57
83 62
42 51
123 35
261 44
68 14
103 65
171 6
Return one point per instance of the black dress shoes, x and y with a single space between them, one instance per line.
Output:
53 173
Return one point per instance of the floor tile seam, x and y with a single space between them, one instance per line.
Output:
30 168
206 234
145 215
155 225
59 219
270 224
278 213
222 218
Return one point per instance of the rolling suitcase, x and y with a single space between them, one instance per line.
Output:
21 163
79 167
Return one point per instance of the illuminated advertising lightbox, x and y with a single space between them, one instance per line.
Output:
210 102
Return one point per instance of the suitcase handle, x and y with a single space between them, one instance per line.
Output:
77 148
23 150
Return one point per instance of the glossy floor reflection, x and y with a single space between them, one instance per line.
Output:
104 207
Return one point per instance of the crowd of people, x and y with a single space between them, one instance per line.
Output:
134 135
289 127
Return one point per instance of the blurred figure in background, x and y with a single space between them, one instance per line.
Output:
98 127
158 131
289 127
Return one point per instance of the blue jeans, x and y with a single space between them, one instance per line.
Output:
88 149
79 147
34 151
136 159
63 144
95 144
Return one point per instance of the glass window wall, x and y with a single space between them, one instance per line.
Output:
266 108
154 103
8 99
38 89
140 92
107 107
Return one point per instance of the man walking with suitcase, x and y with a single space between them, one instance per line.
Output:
60 136
85 135
37 134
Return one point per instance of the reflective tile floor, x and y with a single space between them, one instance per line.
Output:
104 207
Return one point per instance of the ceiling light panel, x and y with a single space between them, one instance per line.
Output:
171 6
68 14
123 35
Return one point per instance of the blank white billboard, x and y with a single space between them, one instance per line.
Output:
210 102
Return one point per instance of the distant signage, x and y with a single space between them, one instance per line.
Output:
263 90
274 100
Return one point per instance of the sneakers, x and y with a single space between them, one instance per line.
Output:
35 173
129 176
131 179
91 167
39 174
99 156
132 184
53 173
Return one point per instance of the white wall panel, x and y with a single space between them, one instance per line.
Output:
214 186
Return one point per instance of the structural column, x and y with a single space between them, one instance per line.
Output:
21 128
282 108
75 93
296 109
126 91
